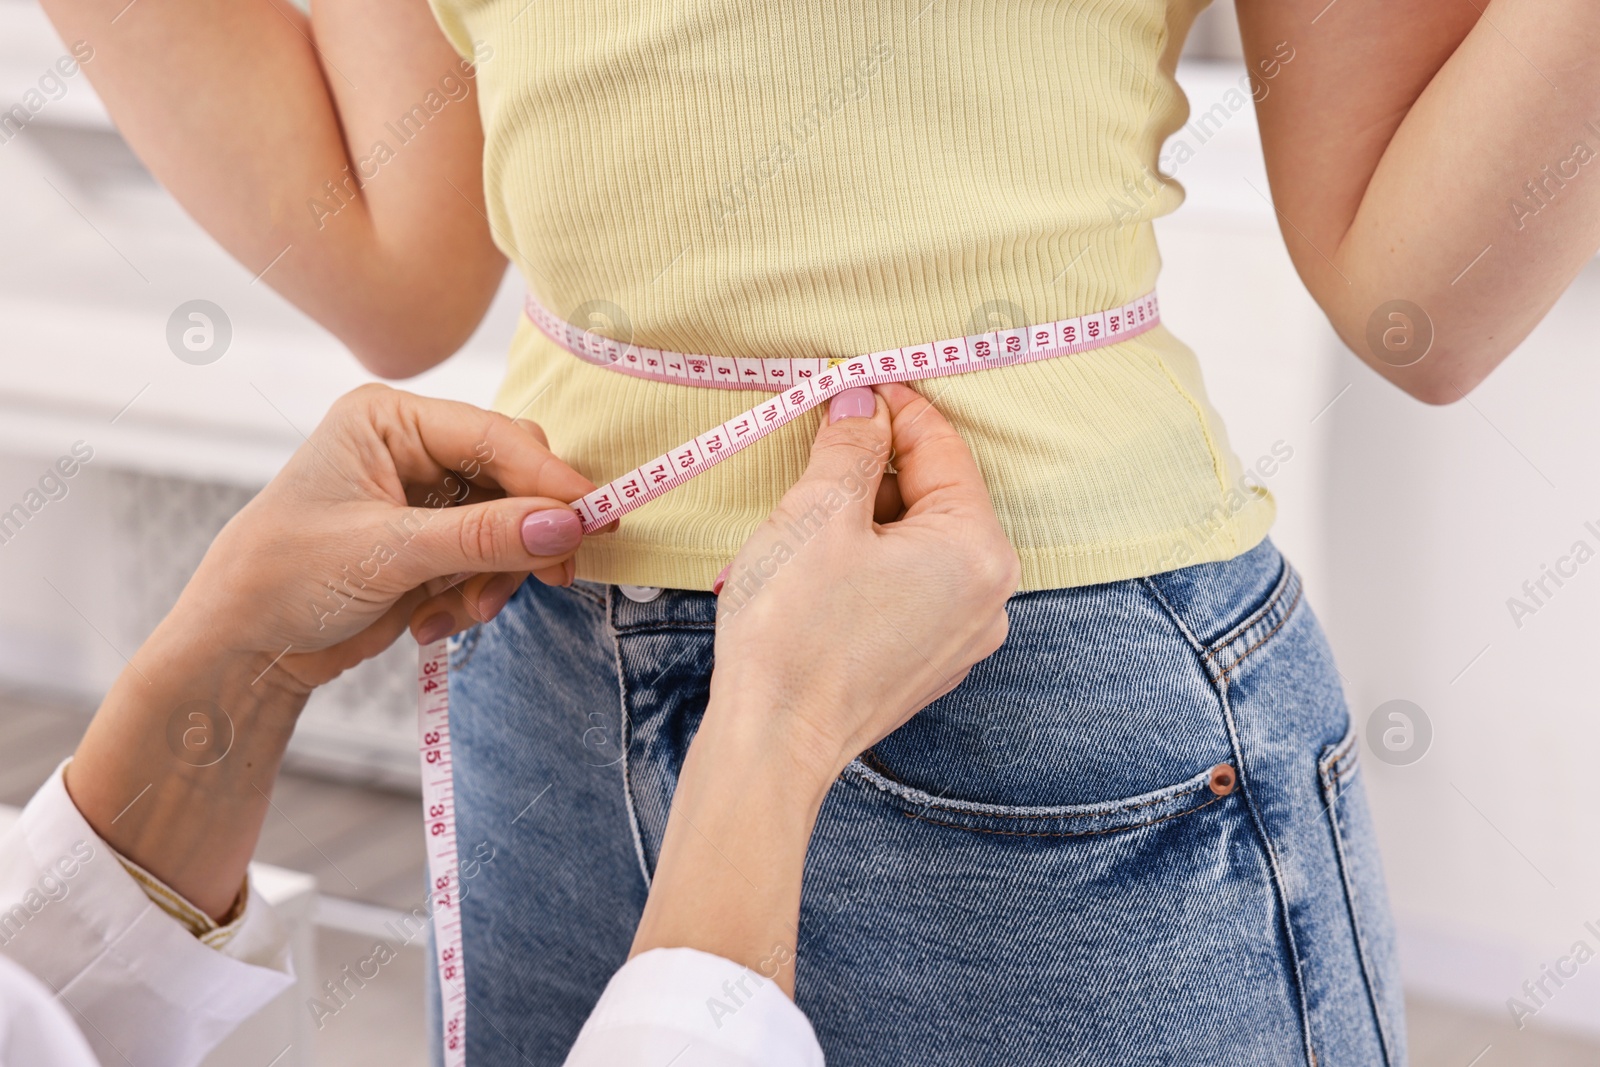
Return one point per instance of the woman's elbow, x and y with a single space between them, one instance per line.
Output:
398 328
1439 377
1406 348
1433 391
394 350
394 362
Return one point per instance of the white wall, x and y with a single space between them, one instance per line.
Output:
1438 517
1413 526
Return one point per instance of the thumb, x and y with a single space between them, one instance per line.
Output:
850 452
511 534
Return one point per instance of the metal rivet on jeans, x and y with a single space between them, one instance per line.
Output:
1223 779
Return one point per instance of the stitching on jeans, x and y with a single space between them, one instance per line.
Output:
594 598
1172 613
1221 684
1340 765
469 646
1109 813
625 739
1284 580
1064 833
663 628
1287 615
651 626
1333 784
1339 752
1243 790
1256 616
1280 892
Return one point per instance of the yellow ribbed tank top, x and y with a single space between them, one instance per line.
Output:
827 178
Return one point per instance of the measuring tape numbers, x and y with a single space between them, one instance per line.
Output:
797 385
801 384
444 872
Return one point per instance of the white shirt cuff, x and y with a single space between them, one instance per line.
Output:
705 1010
142 988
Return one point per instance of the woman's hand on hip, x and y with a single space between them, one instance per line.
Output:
833 628
398 510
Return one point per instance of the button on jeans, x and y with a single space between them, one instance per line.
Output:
1041 868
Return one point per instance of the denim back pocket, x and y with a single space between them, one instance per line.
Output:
1062 820
1362 872
1095 697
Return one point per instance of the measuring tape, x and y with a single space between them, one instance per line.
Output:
802 384
799 385
444 877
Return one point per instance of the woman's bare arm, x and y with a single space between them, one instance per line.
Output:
1399 140
252 114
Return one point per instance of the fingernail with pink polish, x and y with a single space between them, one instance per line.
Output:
722 576
852 404
435 627
552 532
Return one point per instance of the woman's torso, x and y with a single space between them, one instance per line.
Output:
828 179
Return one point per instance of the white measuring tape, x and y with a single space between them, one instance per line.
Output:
444 878
799 385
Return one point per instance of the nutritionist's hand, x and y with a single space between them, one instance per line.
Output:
360 532
398 510
833 629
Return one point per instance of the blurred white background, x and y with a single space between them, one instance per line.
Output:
1413 526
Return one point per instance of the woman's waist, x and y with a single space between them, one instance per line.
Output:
1101 466
770 302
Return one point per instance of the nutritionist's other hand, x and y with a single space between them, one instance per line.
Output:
857 603
368 526
398 510
833 628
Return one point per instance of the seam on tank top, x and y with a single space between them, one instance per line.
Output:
1128 547
1218 464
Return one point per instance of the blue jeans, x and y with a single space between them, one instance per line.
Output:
1045 867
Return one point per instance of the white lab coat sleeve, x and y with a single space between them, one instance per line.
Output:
143 990
35 1030
693 1009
